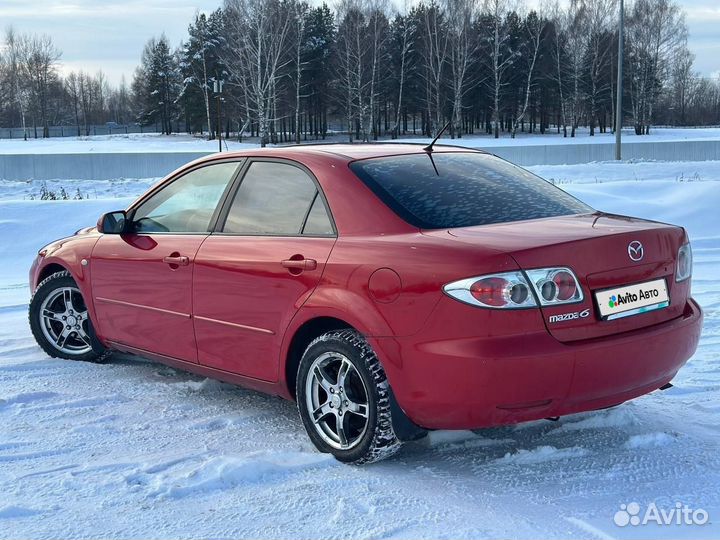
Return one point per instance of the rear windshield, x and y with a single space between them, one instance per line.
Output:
462 190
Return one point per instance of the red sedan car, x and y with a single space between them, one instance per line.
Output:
389 289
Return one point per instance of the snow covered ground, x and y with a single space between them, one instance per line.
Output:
153 142
132 449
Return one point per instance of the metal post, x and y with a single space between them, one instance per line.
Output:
618 103
219 124
218 87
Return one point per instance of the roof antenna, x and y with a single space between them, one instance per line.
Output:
429 147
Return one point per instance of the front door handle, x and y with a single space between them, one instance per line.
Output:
177 260
299 264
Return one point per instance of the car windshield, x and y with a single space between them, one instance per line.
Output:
462 190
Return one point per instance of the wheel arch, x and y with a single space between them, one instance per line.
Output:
68 258
402 426
47 271
303 335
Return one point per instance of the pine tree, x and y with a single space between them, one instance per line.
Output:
157 84
199 65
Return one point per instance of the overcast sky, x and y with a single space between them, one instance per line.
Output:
110 34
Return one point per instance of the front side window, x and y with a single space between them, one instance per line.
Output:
187 204
458 189
277 199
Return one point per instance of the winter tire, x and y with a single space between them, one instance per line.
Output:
60 323
343 399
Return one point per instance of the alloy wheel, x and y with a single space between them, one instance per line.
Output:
64 321
337 400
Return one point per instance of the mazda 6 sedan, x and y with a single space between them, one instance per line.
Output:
388 289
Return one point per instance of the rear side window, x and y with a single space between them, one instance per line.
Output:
462 190
275 199
318 221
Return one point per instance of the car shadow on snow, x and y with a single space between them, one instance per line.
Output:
597 433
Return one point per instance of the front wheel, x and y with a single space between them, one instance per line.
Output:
60 323
343 399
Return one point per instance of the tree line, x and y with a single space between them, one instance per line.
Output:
293 71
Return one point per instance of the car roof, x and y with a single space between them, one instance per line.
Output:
347 151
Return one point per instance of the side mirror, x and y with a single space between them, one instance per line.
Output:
112 223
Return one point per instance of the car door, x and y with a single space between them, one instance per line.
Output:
265 259
142 279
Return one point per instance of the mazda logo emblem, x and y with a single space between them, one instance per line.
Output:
635 250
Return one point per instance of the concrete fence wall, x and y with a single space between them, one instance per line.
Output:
92 166
586 153
104 166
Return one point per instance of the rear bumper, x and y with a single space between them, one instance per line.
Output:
474 382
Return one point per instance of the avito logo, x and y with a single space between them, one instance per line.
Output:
681 514
620 299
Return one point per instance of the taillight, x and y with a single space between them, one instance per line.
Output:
555 286
684 263
566 285
498 291
512 290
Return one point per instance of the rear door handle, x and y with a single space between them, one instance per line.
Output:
177 260
299 264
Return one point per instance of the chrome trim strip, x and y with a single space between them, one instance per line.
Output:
637 311
140 306
185 315
236 325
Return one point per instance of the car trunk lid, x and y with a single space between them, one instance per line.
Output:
595 248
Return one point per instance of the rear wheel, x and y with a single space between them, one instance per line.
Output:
343 399
60 323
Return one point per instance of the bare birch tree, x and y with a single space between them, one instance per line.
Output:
598 19
436 43
403 32
559 56
363 34
378 35
576 29
72 84
656 32
534 27
501 55
300 36
351 62
257 53
39 61
18 90
463 45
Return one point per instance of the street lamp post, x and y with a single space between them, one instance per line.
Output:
618 103
218 88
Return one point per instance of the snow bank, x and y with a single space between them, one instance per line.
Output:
543 454
650 440
135 142
184 479
617 417
14 190
690 204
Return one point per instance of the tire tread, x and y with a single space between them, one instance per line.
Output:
384 443
98 354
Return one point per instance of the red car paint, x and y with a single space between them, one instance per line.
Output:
225 306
